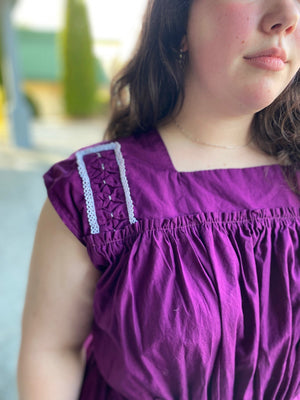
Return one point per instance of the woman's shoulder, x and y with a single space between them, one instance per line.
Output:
90 189
108 151
143 146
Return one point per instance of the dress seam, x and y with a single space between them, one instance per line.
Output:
176 228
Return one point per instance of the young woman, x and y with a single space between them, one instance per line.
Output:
171 252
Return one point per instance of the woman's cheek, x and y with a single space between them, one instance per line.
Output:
241 22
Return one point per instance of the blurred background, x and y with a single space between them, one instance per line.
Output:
57 58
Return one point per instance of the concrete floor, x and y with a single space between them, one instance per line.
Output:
22 194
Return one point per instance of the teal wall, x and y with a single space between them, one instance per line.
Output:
39 56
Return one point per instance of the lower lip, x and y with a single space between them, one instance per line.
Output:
269 63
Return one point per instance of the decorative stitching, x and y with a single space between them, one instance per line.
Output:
121 163
87 190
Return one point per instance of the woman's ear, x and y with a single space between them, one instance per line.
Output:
184 44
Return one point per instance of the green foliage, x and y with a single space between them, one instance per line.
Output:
1 54
79 73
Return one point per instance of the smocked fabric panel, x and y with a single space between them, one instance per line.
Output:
108 192
86 182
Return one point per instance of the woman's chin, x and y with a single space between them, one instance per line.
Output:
257 100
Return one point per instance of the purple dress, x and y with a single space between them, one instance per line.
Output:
199 296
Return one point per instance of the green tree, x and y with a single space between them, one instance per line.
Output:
79 73
1 46
1 58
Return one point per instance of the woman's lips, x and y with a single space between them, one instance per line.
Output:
270 63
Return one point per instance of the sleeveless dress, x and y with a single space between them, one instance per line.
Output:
199 296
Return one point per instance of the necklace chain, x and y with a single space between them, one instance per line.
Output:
188 135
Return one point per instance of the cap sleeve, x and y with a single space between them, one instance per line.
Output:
91 194
64 189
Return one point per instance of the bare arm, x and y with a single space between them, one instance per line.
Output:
57 314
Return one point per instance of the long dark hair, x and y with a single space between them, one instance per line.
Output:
149 90
149 87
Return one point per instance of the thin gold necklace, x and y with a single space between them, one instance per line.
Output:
187 135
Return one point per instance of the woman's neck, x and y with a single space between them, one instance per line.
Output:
188 155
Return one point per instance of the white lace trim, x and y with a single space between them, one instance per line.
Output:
122 168
86 183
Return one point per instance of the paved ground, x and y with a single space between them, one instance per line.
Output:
21 197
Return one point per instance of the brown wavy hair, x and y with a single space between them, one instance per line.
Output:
149 90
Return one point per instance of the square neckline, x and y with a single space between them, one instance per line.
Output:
170 165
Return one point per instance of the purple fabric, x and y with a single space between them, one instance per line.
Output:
200 298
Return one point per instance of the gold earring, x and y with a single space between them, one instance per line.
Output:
182 58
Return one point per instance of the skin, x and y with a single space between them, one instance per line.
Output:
222 90
58 313
230 31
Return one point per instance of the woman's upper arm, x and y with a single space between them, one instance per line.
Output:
59 302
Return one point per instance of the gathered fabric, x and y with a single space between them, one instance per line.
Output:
199 296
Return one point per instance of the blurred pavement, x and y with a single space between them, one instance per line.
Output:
22 194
